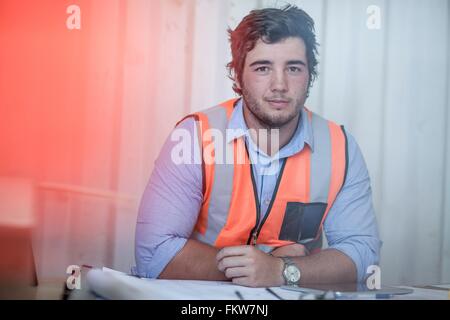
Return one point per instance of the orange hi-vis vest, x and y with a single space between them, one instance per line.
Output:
307 185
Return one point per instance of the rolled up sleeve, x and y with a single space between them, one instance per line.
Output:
169 207
351 225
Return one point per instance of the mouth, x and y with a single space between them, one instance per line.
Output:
278 103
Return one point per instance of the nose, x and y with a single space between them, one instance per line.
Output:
279 81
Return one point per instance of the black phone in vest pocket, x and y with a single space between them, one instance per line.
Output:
301 221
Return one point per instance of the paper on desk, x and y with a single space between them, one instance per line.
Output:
111 284
443 286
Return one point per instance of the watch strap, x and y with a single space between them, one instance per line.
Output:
288 260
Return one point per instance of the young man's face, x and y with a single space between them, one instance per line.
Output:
275 81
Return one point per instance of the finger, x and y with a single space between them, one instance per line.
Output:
236 272
307 252
292 250
232 262
296 247
277 254
232 251
297 250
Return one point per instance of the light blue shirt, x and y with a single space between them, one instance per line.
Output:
173 197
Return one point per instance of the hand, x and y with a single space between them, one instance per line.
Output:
290 250
249 266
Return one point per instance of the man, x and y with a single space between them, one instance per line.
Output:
259 222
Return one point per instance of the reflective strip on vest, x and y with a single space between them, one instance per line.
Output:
320 171
320 161
220 196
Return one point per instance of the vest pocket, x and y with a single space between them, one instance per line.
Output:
301 221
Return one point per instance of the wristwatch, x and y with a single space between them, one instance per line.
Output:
291 273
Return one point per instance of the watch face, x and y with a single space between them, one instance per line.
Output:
292 274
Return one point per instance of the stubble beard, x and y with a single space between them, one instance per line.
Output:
267 120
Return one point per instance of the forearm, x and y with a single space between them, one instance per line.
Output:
196 261
327 266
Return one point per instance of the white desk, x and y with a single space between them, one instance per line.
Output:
115 285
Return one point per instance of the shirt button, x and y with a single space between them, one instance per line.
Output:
267 202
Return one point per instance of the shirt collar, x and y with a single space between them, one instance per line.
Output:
303 134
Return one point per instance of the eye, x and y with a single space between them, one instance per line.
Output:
262 69
294 69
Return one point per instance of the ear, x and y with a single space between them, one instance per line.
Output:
238 84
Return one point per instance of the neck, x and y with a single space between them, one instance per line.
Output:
270 139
